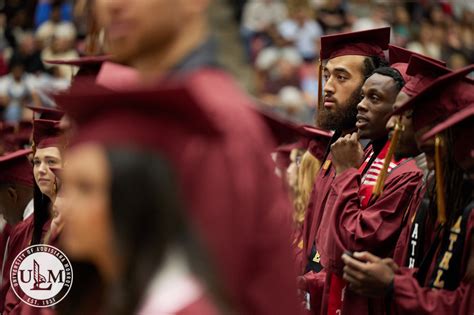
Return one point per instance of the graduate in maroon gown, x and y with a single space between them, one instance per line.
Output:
351 57
239 207
443 282
206 167
16 198
47 154
417 235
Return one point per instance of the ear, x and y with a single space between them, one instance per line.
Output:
12 193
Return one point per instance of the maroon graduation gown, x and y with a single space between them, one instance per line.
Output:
403 244
20 239
237 203
314 282
410 298
356 225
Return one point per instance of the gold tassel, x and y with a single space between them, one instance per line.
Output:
378 188
320 84
441 203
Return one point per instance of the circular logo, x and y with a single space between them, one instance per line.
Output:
41 275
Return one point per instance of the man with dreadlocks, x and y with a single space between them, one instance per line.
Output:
443 284
351 58
416 236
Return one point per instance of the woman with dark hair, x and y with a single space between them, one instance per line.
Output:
125 216
47 155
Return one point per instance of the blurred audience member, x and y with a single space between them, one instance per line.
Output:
302 31
17 90
62 48
332 17
55 24
28 54
258 17
424 43
376 19
401 26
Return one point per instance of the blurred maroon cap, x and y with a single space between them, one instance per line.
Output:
422 72
16 168
456 118
445 95
46 133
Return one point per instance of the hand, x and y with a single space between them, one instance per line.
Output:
369 275
347 153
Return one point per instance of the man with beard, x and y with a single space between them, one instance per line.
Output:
237 204
443 284
351 59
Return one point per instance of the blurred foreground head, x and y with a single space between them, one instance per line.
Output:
152 32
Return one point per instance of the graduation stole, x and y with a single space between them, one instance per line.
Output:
415 250
447 274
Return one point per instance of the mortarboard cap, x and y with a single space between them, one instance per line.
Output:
318 140
47 113
137 115
445 95
89 65
363 43
16 168
46 133
456 118
422 72
400 57
282 131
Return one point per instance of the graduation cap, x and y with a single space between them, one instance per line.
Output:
47 113
117 77
456 118
318 140
363 43
422 72
46 133
16 168
137 115
441 98
89 65
16 135
283 131
400 57
313 139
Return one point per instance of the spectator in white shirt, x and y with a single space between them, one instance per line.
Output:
303 32
17 89
48 29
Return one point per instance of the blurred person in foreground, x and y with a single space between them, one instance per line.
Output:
244 216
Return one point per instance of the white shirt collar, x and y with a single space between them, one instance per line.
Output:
172 288
28 210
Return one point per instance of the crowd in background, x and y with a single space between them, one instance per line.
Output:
32 32
281 40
